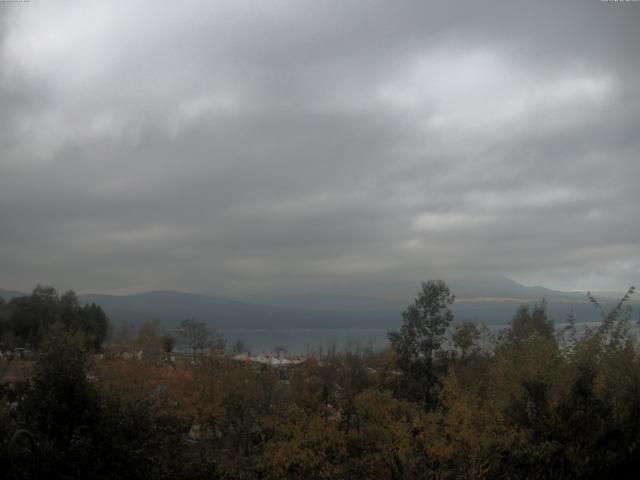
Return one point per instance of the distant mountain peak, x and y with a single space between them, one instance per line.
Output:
9 294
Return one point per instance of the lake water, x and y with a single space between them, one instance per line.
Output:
303 341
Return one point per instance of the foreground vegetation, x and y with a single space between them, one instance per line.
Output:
443 401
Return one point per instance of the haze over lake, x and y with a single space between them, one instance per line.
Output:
307 341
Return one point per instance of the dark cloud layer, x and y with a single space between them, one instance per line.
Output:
240 147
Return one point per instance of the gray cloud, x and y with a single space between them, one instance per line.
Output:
238 147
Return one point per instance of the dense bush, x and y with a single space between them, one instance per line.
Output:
24 321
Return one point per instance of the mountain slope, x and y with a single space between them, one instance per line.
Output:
504 287
491 300
9 294
171 307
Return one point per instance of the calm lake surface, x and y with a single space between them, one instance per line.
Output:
303 341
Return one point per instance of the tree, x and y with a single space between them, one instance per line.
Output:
465 338
239 347
420 339
70 309
386 443
196 335
527 324
95 324
168 342
32 316
303 445
62 404
148 340
464 437
123 335
84 431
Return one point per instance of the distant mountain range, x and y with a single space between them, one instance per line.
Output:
504 287
489 300
9 294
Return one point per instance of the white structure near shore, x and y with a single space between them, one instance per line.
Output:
268 359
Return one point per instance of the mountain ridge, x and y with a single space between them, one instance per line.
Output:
490 300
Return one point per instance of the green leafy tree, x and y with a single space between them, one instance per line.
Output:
85 431
527 323
95 325
62 404
465 339
33 315
418 343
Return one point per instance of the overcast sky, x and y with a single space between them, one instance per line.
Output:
293 146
